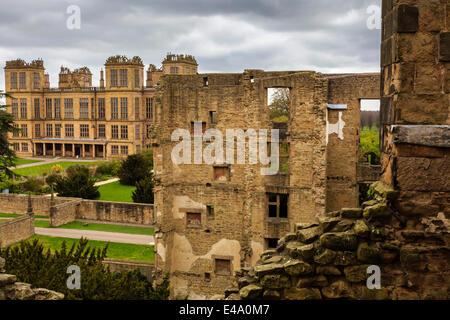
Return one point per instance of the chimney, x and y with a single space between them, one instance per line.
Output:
102 80
47 81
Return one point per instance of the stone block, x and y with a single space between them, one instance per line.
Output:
298 268
351 213
268 269
275 281
345 258
339 241
251 292
356 273
378 211
305 252
302 294
328 270
361 229
309 235
368 254
407 18
325 256
337 290
444 46
6 279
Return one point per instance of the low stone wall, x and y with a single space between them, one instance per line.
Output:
342 255
16 230
65 208
146 268
64 213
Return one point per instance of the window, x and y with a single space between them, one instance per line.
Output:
222 266
15 108
24 147
16 133
37 109
24 129
136 108
92 108
123 132
124 150
23 108
115 132
221 173
48 108
137 82
149 131
16 146
137 132
101 108
213 117
123 77
13 80
124 108
210 211
113 78
205 81
198 123
35 80
173 70
193 218
49 129
101 131
84 130
277 205
57 105
114 149
149 108
57 130
84 108
68 108
138 148
37 130
114 108
22 80
271 243
69 130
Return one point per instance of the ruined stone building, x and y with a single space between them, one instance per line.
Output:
76 119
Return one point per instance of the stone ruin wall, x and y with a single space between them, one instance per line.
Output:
240 224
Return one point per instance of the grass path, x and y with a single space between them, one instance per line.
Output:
77 225
115 250
116 192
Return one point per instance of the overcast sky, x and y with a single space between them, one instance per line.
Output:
224 35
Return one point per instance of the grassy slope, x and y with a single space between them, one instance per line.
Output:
100 227
20 161
46 167
116 192
115 250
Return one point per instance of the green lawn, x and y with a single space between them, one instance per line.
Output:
116 192
14 215
122 251
100 227
46 167
20 161
3 220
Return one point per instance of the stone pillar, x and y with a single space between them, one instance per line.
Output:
53 150
415 119
82 150
63 149
93 150
44 146
73 150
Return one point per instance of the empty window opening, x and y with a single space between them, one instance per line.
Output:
210 211
195 125
221 173
271 243
223 266
205 81
193 218
279 102
369 138
252 79
277 205
207 276
213 117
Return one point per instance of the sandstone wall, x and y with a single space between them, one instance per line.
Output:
116 265
16 230
64 213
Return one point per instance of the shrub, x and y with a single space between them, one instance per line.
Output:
144 191
31 263
110 168
32 185
134 168
52 179
78 183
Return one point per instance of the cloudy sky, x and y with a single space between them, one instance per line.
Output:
224 35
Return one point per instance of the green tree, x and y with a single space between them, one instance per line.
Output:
135 168
279 108
144 191
78 183
7 155
31 263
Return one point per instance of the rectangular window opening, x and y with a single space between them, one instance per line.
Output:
279 103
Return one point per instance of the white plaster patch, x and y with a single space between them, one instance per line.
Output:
195 296
161 250
257 249
226 247
179 288
186 203
337 128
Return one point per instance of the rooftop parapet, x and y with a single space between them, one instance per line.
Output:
22 64
123 60
180 58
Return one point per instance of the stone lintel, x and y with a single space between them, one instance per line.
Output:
425 135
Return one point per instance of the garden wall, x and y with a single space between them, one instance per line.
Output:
64 213
16 230
115 265
18 203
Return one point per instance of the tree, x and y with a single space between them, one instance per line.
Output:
7 155
279 108
135 168
144 191
78 183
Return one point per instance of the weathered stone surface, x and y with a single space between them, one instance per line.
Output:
19 291
339 241
215 297
361 292
325 256
304 225
6 279
309 235
407 18
404 294
274 259
345 258
2 264
271 295
328 223
302 294
361 229
444 46
320 281
268 268
383 191
412 259
305 252
378 211
356 273
337 290
343 225
251 292
367 254
369 203
351 213
298 267
275 281
328 270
